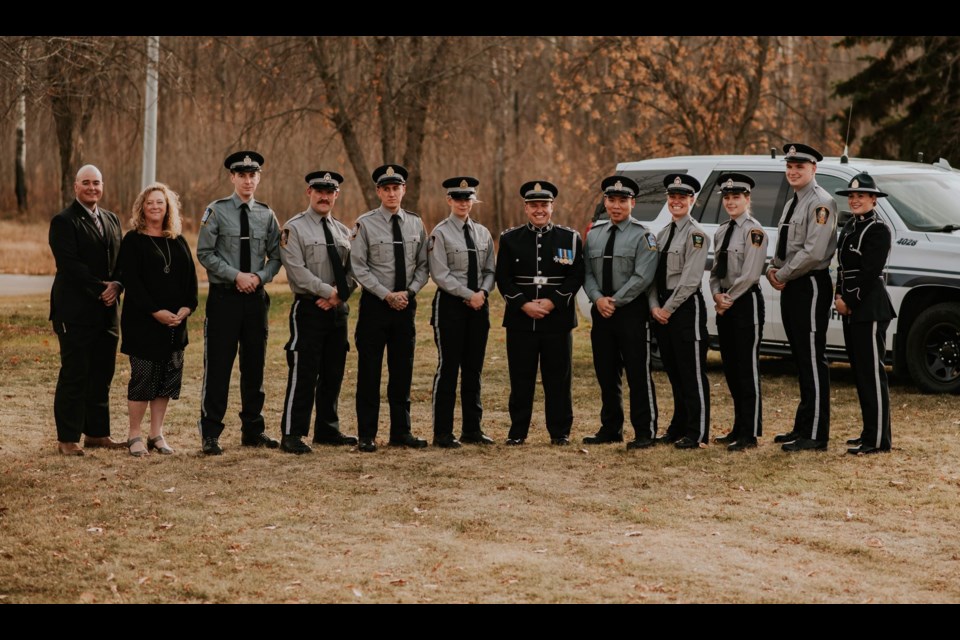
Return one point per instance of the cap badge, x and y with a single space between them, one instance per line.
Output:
537 187
792 150
327 176
463 184
618 186
677 180
728 184
247 160
389 171
854 184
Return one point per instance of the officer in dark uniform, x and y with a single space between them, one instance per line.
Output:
864 305
315 251
239 245
460 254
539 271
800 270
734 281
620 265
388 252
677 306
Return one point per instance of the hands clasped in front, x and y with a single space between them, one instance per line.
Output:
170 319
539 308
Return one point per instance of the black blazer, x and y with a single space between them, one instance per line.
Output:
862 253
85 262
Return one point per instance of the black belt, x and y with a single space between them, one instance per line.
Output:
232 287
306 298
755 287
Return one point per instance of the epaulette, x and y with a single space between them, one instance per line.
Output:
222 200
599 223
296 217
506 231
412 213
725 222
570 229
440 224
635 221
262 204
364 215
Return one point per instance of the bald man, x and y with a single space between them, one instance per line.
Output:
84 303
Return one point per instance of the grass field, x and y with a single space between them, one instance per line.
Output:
497 524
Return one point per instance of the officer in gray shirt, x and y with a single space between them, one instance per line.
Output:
239 245
388 252
676 304
620 264
800 270
461 257
315 251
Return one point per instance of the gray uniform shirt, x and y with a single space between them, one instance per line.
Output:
634 260
371 251
686 260
746 255
811 236
303 251
450 259
218 245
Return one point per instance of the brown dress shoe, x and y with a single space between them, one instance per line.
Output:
69 449
103 442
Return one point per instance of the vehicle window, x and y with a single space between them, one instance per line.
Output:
765 200
652 195
925 201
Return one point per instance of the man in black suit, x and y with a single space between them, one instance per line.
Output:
85 240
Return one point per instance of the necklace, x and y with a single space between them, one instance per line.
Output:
167 258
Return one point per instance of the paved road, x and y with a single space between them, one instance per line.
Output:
20 285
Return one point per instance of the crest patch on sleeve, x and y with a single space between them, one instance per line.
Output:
697 240
430 243
756 237
284 237
208 212
651 242
822 215
356 230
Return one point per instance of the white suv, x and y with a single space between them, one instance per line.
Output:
923 270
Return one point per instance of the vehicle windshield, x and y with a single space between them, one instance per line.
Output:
925 201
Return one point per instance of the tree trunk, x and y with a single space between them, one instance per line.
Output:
21 161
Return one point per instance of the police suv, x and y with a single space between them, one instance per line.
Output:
923 269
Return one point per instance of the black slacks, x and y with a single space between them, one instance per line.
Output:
866 346
81 403
740 330
379 327
683 349
234 320
552 353
460 334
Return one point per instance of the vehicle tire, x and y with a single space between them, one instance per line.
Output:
933 349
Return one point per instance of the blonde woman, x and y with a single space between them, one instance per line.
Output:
156 268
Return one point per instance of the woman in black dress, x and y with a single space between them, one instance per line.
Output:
160 281
863 303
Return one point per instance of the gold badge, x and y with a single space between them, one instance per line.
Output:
328 177
284 236
618 186
822 214
756 237
854 183
247 161
463 184
537 187
389 171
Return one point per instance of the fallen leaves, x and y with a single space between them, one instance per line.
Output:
170 490
94 529
633 534
875 543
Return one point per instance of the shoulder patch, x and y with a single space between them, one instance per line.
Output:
284 237
207 214
651 241
823 214
697 238
356 230
756 237
430 243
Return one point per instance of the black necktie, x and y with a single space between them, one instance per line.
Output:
472 267
662 263
720 261
399 264
606 286
98 222
244 238
782 237
338 272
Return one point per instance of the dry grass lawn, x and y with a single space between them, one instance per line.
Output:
529 524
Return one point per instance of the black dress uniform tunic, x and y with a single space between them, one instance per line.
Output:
532 263
317 348
622 341
379 327
684 339
863 249
459 331
740 328
235 318
806 300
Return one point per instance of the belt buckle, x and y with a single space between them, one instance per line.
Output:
539 279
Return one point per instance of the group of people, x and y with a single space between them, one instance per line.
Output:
637 282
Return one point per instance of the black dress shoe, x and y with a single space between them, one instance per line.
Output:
730 438
640 443
866 449
667 439
408 440
338 440
602 438
478 437
562 441
787 437
367 445
686 443
211 447
855 442
805 444
515 442
259 440
446 442
294 444
743 443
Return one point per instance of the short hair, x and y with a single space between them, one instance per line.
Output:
172 224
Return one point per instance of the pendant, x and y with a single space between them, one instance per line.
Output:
166 269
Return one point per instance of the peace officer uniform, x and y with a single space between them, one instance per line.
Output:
739 258
621 262
863 249
805 246
229 229
374 260
315 251
532 263
683 341
461 259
